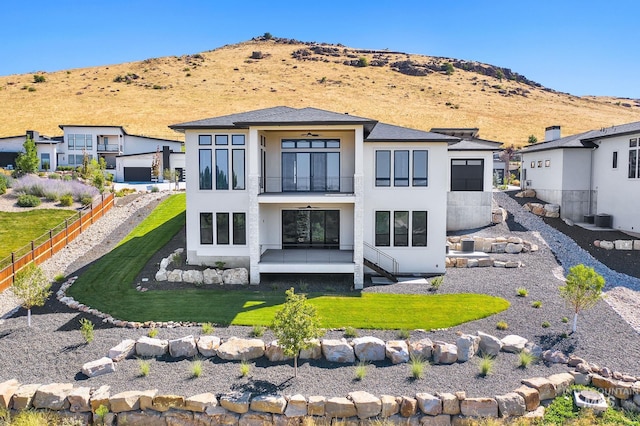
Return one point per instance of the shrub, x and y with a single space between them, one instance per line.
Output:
26 200
51 196
404 334
34 185
486 365
537 304
363 62
257 331
101 411
361 371
155 189
196 368
207 328
436 283
59 278
502 325
565 319
350 332
245 368
37 78
525 359
86 329
144 367
86 200
220 264
522 292
417 366
153 332
54 176
176 259
66 200
546 324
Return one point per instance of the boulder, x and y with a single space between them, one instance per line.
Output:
390 406
123 350
397 351
208 345
369 348
429 404
479 407
149 347
444 353
545 388
574 361
193 276
256 419
581 378
607 245
513 343
275 353
236 349
561 382
211 276
337 350
314 351
636 244
7 389
485 262
99 397
273 404
489 345
623 244
145 398
98 367
408 406
498 247
472 263
23 396
511 405
79 400
146 418
236 402
184 347
533 349
52 396
162 275
462 262
467 346
367 405
421 349
339 407
450 403
296 406
315 406
175 276
235 276
530 395
125 401
555 357
512 248
200 402
551 208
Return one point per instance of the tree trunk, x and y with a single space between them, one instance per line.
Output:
295 366
29 317
575 322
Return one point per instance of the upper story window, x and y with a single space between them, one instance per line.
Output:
309 143
229 163
80 141
204 140
467 174
633 158
410 168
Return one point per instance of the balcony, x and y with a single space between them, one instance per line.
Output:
276 259
314 184
109 148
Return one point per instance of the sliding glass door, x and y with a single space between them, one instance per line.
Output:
311 171
311 229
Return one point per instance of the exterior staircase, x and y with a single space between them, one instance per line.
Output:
382 263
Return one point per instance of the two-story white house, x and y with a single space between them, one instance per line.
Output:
286 190
596 173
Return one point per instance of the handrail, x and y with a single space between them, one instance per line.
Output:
380 254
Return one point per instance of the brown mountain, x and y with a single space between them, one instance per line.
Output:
398 88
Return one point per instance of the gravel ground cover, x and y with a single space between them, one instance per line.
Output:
53 349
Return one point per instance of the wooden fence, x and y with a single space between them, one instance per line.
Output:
45 246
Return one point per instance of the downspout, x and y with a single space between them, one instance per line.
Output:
591 178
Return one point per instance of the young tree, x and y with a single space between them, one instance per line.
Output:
31 287
27 161
506 156
582 290
155 165
532 139
295 325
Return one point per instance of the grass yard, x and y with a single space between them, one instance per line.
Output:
107 286
20 228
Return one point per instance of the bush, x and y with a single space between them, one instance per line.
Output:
59 278
502 325
26 200
86 329
436 283
350 332
363 62
257 331
54 176
86 200
196 368
546 324
155 189
537 304
145 367
207 328
66 200
153 332
37 78
245 368
522 292
404 334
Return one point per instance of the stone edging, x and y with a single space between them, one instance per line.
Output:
618 244
494 245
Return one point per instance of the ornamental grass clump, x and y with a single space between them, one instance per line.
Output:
417 366
361 371
486 365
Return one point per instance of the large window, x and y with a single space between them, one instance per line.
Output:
222 169
80 141
383 168
633 158
401 229
401 168
77 159
222 228
205 169
420 162
383 225
206 228
237 168
419 229
410 168
467 174
239 228
311 171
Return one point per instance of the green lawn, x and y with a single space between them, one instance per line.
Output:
20 228
107 286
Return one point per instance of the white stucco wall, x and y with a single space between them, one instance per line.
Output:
50 149
12 144
137 144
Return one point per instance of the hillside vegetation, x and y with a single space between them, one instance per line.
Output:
397 88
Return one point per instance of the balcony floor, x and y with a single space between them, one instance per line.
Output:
307 261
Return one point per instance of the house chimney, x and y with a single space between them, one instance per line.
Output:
32 134
166 153
551 133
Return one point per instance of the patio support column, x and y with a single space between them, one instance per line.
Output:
358 211
253 215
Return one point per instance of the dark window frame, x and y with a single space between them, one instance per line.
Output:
419 180
382 239
400 239
222 229
222 184
383 179
239 228
202 139
415 236
203 184
206 229
236 183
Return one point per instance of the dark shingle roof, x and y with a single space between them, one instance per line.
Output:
608 132
229 121
475 145
389 133
573 141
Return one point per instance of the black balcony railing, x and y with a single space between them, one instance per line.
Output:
325 184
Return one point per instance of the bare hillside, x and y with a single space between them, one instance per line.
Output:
409 90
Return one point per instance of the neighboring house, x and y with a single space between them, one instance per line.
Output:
470 179
128 157
286 190
591 173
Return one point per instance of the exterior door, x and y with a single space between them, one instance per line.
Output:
311 229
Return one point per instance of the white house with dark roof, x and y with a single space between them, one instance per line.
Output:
595 173
286 190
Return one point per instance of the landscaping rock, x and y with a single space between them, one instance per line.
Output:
390 406
7 389
450 403
149 347
369 348
23 396
99 397
421 349
479 407
164 403
236 349
444 353
275 353
199 403
366 404
636 244
184 347
268 404
296 406
530 395
337 350
561 382
211 276
236 402
162 275
607 245
339 407
79 400
193 276
467 346
489 345
315 405
256 419
512 248
208 345
408 406
554 357
397 351
513 343
125 401
623 244
314 351
429 404
175 276
98 367
146 418
123 350
511 405
544 387
236 276
52 396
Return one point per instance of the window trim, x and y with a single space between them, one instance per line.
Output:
414 235
208 241
234 180
221 232
414 177
383 180
239 232
387 243
398 235
399 180
202 140
200 180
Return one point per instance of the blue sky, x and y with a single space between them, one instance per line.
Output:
581 47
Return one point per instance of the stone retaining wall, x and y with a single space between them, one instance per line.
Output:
618 244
